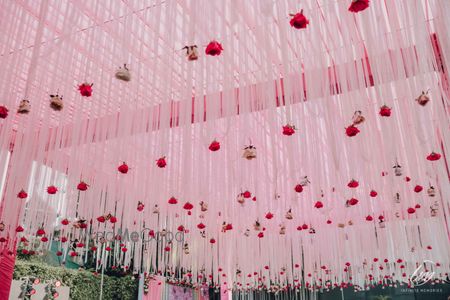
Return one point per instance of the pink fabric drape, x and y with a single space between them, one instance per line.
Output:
6 274
155 289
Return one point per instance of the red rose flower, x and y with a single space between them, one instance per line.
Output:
369 218
59 253
124 249
246 194
80 245
113 219
214 146
101 219
65 222
63 239
433 156
358 5
167 249
214 48
305 226
353 201
82 186
52 190
261 234
188 206
173 200
180 228
418 188
123 168
161 162
140 206
318 204
385 111
351 130
201 226
299 188
3 112
40 232
417 206
299 21
353 184
329 222
19 229
108 248
411 210
85 89
229 226
73 254
22 194
44 239
212 241
288 130
269 215
373 193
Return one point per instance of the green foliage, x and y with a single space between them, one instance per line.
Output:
83 284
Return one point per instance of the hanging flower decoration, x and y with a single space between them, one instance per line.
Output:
351 130
369 218
113 219
161 162
201 226
214 48
65 222
22 194
121 74
269 215
298 188
358 5
82 186
52 190
212 241
173 200
318 204
85 89
191 52
247 194
353 184
123 168
140 206
214 146
411 210
101 219
188 206
433 156
19 229
385 111
299 21
40 232
56 102
373 193
288 130
423 98
418 188
3 112
352 201
24 107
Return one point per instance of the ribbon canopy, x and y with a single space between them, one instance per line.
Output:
237 144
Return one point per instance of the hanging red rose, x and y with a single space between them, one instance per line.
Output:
188 206
288 130
429 247
214 146
101 219
82 186
329 222
261 234
113 219
44 239
254 198
201 226
418 206
351 130
247 194
433 156
305 226
22 194
369 218
63 239
161 162
52 190
73 254
93 248
65 222
269 215
353 184
385 111
180 228
79 245
140 206
40 232
299 228
85 89
214 48
229 226
19 229
3 112
407 179
411 210
353 201
124 249
167 248
83 225
123 168
358 5
173 200
59 253
212 241
418 188
298 20
373 193
318 204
